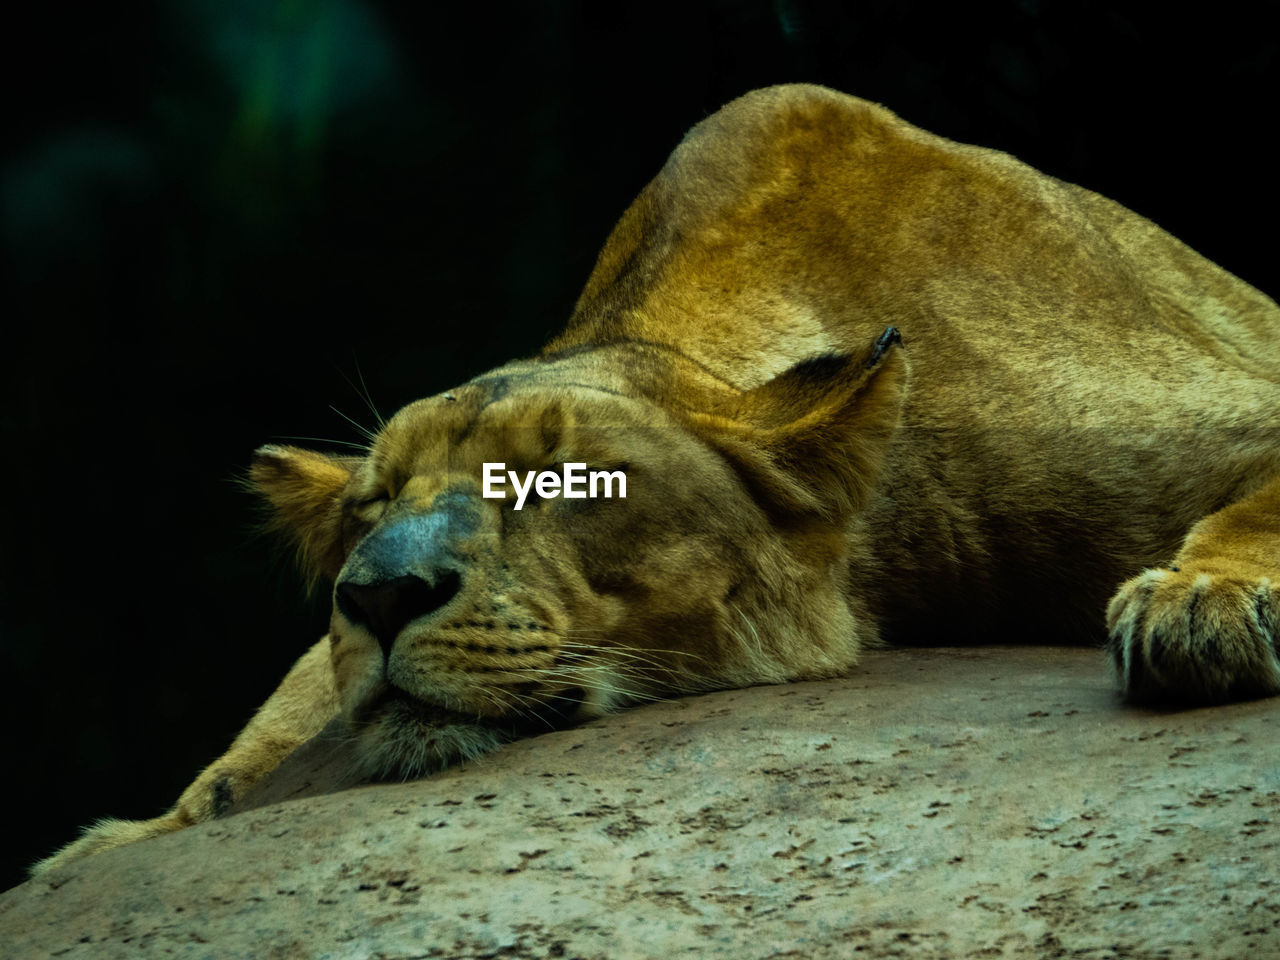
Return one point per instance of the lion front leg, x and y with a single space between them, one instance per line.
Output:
298 709
1207 627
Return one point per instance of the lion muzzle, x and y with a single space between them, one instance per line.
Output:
408 567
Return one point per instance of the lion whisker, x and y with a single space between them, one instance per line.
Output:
604 644
575 680
626 693
757 647
362 447
365 395
508 701
360 428
657 672
628 654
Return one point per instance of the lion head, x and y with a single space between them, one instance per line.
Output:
460 620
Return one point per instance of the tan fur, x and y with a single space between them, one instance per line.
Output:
1080 403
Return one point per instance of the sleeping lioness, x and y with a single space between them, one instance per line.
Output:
864 385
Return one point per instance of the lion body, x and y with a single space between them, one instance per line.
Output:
1084 386
1079 399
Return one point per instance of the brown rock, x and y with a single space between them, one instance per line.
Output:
940 803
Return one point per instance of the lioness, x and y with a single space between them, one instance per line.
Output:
1076 407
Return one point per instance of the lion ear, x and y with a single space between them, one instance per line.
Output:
813 439
304 490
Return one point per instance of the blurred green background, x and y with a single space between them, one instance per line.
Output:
216 216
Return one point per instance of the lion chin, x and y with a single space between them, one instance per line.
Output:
400 737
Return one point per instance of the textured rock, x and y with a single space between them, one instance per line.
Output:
939 803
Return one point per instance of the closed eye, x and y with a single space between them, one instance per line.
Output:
358 504
366 510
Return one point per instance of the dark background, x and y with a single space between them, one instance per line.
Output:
218 213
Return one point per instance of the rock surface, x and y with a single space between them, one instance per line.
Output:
939 803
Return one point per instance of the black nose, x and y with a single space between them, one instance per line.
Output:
386 606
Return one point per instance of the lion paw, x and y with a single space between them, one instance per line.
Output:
1187 635
106 835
